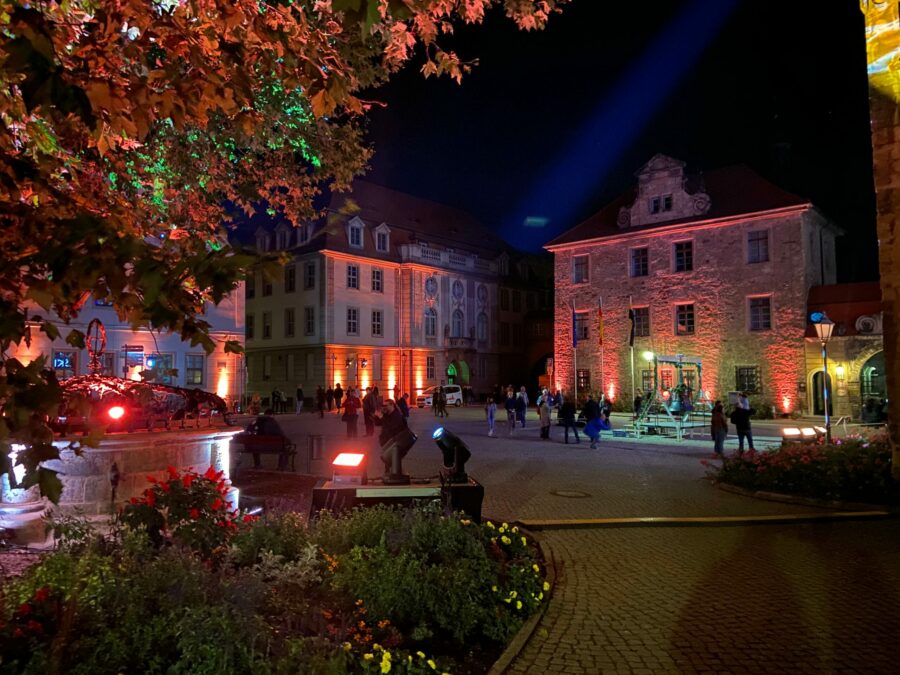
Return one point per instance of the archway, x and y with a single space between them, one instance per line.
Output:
818 394
872 389
452 373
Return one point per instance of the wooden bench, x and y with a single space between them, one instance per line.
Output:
265 445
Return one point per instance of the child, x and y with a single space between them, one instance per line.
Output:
491 411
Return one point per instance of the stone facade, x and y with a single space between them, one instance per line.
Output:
755 251
401 293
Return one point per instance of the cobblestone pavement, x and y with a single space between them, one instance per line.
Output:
800 598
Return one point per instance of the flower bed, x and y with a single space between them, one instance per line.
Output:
183 584
857 468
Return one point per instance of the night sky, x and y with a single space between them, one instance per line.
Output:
554 124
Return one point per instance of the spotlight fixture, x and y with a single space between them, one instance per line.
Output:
455 455
349 469
392 455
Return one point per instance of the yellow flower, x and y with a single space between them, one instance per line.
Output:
421 655
409 658
514 594
466 522
494 588
507 600
546 586
432 664
505 525
524 541
502 528
385 666
518 604
540 596
536 568
347 646
515 530
368 657
506 540
376 647
489 525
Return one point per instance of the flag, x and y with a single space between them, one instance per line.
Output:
600 323
574 327
631 334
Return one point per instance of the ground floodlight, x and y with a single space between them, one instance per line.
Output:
791 432
455 455
392 455
349 469
808 432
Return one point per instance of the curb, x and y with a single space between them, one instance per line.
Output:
521 639
805 501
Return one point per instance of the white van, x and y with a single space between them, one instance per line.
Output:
452 391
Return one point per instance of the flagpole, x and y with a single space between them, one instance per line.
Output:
631 341
602 389
575 352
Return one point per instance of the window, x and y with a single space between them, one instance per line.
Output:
646 382
456 327
504 333
251 287
430 323
580 269
352 321
248 327
667 203
641 321
309 276
290 279
760 314
64 364
584 379
282 240
267 367
758 246
482 327
193 369
303 234
267 325
581 325
684 319
352 276
381 242
666 378
684 256
377 280
653 205
429 367
356 236
309 320
163 364
289 322
267 287
504 299
517 301
746 378
377 323
640 262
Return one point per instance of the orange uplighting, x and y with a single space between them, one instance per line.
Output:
351 459
392 379
222 383
611 391
786 404
116 412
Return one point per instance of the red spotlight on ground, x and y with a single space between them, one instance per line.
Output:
349 469
117 412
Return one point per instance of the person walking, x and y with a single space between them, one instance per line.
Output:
524 395
592 414
521 408
299 398
567 413
369 410
338 395
490 412
351 412
320 401
544 414
638 402
403 405
718 427
740 418
329 398
276 401
397 396
510 406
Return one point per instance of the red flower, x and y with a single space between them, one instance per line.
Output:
187 479
35 627
212 474
24 609
195 514
42 594
173 472
152 479
217 504
133 500
17 633
151 498
249 519
164 487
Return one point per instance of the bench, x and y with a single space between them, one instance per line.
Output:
263 445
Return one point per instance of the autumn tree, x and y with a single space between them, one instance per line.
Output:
127 125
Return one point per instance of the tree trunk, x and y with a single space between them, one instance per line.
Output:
883 51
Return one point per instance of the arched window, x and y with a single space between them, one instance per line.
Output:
456 330
482 327
430 323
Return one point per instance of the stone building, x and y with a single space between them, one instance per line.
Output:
715 265
388 290
856 365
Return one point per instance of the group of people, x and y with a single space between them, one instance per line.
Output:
740 418
439 403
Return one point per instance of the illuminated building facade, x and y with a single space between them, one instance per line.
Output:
717 265
128 352
398 291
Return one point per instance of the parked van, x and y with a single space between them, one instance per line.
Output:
452 391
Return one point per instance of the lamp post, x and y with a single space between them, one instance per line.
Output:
333 359
824 327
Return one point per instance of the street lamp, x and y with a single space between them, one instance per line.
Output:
824 327
333 359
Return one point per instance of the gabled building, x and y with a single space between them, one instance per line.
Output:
716 265
388 290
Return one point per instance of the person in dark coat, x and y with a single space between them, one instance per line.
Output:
591 409
338 395
718 427
592 413
403 405
329 398
740 418
351 412
320 400
393 429
638 402
370 407
299 400
567 414
521 406
510 406
265 425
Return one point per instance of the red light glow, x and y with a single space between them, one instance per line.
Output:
116 412
351 459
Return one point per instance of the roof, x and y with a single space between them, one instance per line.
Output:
733 191
844 304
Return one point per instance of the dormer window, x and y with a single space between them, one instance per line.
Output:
660 204
381 242
262 242
356 236
667 203
654 205
282 240
303 234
